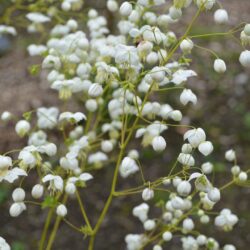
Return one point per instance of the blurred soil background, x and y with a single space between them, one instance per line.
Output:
223 111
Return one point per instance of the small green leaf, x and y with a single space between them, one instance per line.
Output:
49 201
34 69
27 115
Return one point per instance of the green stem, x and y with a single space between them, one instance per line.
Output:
56 226
45 229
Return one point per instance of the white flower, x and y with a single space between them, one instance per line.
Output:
128 166
181 75
73 117
61 210
167 236
159 143
135 241
70 188
35 50
157 247
226 219
3 244
37 191
47 117
7 29
186 159
95 90
214 194
149 225
141 211
206 148
85 177
22 127
245 58
189 242
219 66
126 9
184 188
37 17
195 137
221 16
55 182
188 96
97 158
186 45
18 195
230 155
147 194
7 174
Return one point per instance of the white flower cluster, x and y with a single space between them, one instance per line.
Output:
117 78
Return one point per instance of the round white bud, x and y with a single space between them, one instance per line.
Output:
149 225
6 116
112 5
70 188
245 58
22 127
221 16
176 115
159 143
206 148
214 194
247 29
95 90
147 194
188 224
91 105
175 13
186 45
230 155
126 9
15 210
242 176
37 191
61 210
235 170
167 236
207 167
219 66
184 188
18 195
107 146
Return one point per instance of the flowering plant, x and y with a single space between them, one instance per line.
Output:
118 79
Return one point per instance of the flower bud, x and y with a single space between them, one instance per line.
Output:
186 148
230 155
22 128
107 146
37 191
95 90
157 247
186 45
204 219
214 194
188 224
149 225
18 195
175 13
229 247
167 236
159 143
221 16
15 210
220 66
176 115
126 9
235 170
147 194
206 148
242 176
70 188
245 58
112 5
207 167
91 105
184 188
6 116
61 210
247 29
201 240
